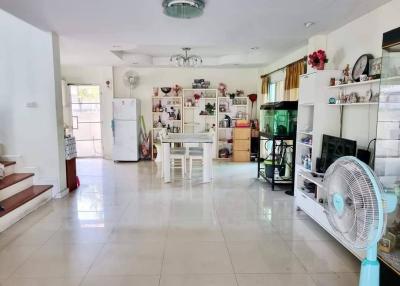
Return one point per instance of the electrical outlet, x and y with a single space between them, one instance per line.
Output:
31 104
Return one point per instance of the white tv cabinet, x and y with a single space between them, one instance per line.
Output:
315 118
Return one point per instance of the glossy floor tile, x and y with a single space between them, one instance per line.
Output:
199 280
124 226
275 280
196 258
140 280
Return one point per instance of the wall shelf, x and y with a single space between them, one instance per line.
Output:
305 132
166 97
304 144
355 104
368 82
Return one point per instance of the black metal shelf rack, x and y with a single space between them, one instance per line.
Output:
261 172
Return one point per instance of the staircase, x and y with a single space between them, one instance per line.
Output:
18 195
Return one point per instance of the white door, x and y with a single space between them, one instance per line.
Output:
86 120
125 109
126 147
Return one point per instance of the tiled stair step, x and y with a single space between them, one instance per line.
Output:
21 198
15 183
9 167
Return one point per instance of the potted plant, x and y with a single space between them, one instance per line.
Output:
317 59
210 108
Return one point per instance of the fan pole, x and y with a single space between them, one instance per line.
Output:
369 275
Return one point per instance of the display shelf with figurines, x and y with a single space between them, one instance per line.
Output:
167 113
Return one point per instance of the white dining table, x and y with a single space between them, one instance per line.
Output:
205 139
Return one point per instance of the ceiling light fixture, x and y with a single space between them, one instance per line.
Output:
185 60
255 48
185 9
308 24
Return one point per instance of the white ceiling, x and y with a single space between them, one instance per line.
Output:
90 29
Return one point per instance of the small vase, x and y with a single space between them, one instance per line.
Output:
320 66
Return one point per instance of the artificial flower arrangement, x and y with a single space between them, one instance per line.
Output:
222 88
177 89
317 59
197 97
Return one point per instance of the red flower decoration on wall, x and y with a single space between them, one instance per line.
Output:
317 59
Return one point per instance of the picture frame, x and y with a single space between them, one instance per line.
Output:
375 68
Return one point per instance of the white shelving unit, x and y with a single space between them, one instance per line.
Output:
193 120
236 108
315 118
171 103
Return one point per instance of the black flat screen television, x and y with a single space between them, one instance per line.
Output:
333 148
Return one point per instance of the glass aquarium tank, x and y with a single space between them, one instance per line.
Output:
278 119
387 149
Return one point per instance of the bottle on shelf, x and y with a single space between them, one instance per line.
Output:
160 109
159 122
168 129
178 116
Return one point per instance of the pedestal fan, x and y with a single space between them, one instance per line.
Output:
357 208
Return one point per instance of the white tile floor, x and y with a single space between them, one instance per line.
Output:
125 227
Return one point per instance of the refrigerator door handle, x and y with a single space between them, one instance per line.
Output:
113 129
112 123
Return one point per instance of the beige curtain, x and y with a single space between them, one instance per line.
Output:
264 86
292 80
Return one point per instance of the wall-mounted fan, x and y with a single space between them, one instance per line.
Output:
131 80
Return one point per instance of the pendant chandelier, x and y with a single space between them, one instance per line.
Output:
183 8
185 60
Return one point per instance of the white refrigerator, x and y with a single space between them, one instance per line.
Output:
126 129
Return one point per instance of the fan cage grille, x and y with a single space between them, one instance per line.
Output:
358 224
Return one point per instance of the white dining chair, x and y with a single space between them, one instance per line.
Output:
195 154
177 155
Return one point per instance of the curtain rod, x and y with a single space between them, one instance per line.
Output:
267 74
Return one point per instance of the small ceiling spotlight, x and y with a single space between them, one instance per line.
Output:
309 24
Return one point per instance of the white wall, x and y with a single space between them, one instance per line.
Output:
98 76
235 78
344 46
363 35
289 58
29 73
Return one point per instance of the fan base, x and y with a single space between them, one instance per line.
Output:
369 275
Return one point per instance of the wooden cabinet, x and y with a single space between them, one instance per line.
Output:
241 144
72 182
